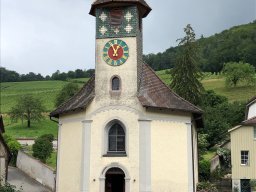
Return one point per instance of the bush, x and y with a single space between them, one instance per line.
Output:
43 147
9 188
225 157
206 187
49 137
204 170
14 147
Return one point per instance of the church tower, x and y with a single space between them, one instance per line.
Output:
118 49
125 130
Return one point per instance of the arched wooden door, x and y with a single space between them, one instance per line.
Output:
115 181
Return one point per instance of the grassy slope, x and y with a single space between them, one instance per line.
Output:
19 130
217 83
45 90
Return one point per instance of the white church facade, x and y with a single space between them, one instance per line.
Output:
125 130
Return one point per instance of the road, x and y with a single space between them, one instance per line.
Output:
18 178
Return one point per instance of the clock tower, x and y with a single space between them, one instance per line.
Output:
118 49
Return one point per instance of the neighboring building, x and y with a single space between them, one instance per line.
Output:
126 131
5 154
243 150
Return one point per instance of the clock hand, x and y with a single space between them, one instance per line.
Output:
115 50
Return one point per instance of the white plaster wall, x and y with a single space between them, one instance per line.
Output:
252 111
169 156
70 153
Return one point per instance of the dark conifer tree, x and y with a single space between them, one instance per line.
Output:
186 72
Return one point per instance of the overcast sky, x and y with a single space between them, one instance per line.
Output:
43 36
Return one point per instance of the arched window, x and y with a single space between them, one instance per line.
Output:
115 84
116 139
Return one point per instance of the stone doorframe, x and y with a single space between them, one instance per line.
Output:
114 165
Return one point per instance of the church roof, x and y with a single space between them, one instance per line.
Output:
153 93
79 101
142 5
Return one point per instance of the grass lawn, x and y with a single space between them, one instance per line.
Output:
217 83
209 155
52 161
19 130
239 93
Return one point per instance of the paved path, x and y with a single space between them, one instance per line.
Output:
18 178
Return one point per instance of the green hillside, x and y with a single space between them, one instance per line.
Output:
45 90
235 44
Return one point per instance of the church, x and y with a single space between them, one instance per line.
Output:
125 130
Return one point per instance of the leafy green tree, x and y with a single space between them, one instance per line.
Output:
219 116
66 92
43 147
28 108
202 144
186 72
239 72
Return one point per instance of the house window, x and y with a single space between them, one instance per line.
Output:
244 157
115 84
116 139
254 130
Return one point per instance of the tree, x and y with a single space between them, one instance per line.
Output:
66 92
186 72
28 108
239 72
43 147
219 116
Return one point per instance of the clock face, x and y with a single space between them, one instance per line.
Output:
115 52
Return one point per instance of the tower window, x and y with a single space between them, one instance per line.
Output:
116 138
115 84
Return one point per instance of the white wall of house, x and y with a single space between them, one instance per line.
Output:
252 111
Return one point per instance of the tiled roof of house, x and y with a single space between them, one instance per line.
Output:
143 6
251 121
152 93
79 101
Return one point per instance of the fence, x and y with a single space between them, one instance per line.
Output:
36 170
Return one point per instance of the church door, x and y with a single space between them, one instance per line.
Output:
115 180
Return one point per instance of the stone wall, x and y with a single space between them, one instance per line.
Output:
36 170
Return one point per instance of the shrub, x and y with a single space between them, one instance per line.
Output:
49 137
14 147
206 187
42 148
204 170
225 157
